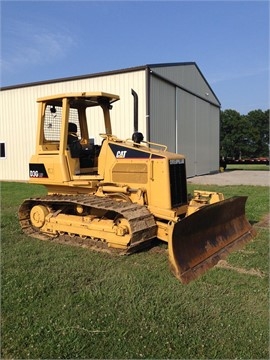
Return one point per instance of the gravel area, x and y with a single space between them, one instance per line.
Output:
233 177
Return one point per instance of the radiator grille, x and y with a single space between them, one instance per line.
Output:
178 182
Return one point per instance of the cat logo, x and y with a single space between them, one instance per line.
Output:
121 154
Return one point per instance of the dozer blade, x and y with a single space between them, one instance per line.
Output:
200 240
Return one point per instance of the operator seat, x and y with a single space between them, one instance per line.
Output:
73 141
86 155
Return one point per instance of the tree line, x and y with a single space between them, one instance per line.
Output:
244 136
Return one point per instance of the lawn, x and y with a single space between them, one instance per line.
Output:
66 302
257 167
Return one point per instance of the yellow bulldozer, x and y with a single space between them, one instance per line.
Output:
121 195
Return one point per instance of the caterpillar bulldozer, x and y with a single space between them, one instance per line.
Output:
121 195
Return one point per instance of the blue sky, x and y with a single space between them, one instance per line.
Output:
229 41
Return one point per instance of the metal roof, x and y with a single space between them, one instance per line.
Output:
105 73
111 72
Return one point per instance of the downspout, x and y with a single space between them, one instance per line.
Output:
135 110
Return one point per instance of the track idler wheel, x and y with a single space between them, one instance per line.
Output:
38 215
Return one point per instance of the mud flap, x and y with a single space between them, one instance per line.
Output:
200 240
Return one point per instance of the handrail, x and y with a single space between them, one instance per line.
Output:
165 147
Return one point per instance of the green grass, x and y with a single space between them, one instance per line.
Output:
66 302
257 167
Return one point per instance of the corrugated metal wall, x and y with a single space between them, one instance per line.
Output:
18 115
187 121
162 113
186 135
214 138
188 76
202 139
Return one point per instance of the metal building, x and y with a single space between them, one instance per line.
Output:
176 107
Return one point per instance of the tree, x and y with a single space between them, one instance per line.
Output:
234 132
259 121
244 135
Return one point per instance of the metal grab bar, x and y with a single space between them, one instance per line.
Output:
149 143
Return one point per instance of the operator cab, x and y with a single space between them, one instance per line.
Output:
67 121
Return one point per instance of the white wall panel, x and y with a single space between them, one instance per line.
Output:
17 129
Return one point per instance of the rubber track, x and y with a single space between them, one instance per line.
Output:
142 222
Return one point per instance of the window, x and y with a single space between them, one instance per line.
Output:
2 150
52 123
53 119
